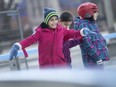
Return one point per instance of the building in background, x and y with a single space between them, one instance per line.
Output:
32 12
35 9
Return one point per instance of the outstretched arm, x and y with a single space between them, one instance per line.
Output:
78 34
23 44
73 42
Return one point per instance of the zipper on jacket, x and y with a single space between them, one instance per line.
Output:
52 48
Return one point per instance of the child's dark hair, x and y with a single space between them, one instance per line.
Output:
90 18
66 16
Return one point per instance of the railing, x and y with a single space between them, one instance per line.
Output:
110 36
15 64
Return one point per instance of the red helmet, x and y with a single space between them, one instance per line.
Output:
87 9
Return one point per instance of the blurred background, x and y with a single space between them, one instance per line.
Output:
19 18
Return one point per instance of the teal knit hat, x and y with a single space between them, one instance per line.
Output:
48 13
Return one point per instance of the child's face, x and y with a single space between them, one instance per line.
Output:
66 24
53 22
95 15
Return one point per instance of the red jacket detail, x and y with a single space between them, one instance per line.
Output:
50 45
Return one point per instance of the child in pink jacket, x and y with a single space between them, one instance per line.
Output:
50 36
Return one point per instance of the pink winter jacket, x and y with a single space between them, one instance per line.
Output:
50 45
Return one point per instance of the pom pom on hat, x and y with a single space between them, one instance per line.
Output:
48 13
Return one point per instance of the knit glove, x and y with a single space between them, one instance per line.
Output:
14 51
87 31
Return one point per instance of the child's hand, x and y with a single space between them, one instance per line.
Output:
14 51
87 31
99 62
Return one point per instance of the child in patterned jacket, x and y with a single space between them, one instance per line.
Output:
93 48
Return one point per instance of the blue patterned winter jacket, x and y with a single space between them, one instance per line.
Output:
92 47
